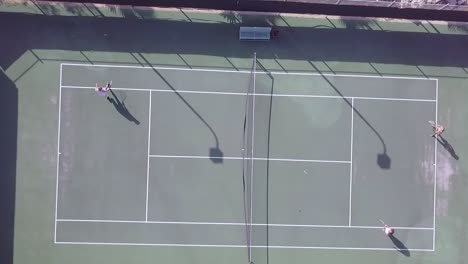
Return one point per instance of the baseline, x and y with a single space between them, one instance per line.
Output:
235 224
238 246
233 235
246 72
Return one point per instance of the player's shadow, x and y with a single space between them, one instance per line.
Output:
120 106
447 146
400 246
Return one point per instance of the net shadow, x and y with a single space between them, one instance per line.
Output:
266 238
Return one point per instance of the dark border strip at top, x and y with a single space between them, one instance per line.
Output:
385 9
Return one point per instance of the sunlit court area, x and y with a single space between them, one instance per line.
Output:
147 135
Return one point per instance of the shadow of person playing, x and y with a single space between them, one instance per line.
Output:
121 108
447 146
399 246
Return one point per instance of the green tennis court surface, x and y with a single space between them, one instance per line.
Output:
173 174
203 154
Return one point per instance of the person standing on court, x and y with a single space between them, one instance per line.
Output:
388 230
438 130
102 91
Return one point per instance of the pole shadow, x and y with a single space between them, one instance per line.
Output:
120 106
398 245
215 153
383 160
447 146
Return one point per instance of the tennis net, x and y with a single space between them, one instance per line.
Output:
247 157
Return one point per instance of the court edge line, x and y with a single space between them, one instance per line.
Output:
247 72
234 246
351 164
58 153
435 176
148 160
232 224
240 158
255 94
435 166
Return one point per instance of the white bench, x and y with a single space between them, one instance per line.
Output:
254 33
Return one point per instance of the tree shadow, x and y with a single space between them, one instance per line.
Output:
253 20
8 139
130 13
230 17
46 8
447 146
215 153
120 106
83 9
457 27
355 24
400 246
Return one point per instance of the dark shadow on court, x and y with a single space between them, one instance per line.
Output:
8 139
447 146
400 246
215 153
383 160
120 106
267 236
370 46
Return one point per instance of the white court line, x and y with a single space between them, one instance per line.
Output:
156 68
351 75
148 160
248 72
349 97
58 152
255 94
351 165
240 158
234 224
237 246
435 166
